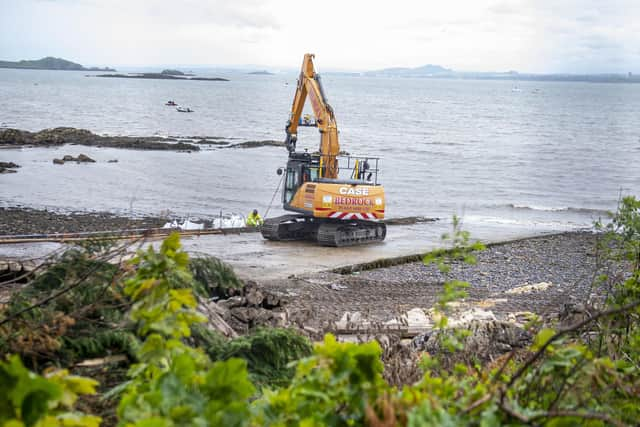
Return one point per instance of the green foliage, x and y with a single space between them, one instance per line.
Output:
458 248
173 383
84 315
585 374
32 400
214 277
268 352
334 387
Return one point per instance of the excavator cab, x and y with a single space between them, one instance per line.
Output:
301 168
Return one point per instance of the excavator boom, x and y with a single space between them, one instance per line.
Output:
310 85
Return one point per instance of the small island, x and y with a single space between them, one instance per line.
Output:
50 63
261 73
160 76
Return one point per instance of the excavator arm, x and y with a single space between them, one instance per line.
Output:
310 85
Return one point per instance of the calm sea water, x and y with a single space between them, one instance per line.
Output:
523 154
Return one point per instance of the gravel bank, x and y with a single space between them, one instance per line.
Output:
14 220
566 261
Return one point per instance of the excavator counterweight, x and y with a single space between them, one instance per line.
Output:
330 209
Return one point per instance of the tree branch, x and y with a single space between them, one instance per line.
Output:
565 331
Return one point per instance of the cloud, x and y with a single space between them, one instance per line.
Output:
527 35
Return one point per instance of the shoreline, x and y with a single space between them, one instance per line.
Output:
16 220
19 220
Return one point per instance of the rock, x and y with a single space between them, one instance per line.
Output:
525 289
85 159
254 144
468 316
250 317
8 167
112 161
280 319
272 300
573 313
351 321
254 297
82 158
214 319
229 303
245 314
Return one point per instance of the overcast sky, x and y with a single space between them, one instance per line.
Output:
525 35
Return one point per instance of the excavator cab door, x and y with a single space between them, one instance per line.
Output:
291 182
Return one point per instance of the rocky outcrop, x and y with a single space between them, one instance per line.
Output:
254 144
487 340
67 135
8 167
82 158
255 307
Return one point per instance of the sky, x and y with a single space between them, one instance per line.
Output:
539 36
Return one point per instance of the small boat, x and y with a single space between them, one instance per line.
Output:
171 103
184 109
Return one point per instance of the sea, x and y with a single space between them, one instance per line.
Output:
520 154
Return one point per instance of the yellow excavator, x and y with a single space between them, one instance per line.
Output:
337 199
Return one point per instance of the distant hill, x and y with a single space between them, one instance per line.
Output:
172 72
50 63
261 73
438 72
428 70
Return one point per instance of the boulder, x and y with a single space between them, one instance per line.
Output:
68 158
85 159
58 162
254 297
9 165
215 321
229 303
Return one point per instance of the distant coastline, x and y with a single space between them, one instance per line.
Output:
50 63
438 72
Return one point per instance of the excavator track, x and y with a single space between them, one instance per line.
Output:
289 227
335 233
350 233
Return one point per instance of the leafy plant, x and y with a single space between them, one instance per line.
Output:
173 383
32 400
215 277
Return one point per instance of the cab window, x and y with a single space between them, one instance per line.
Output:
291 185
